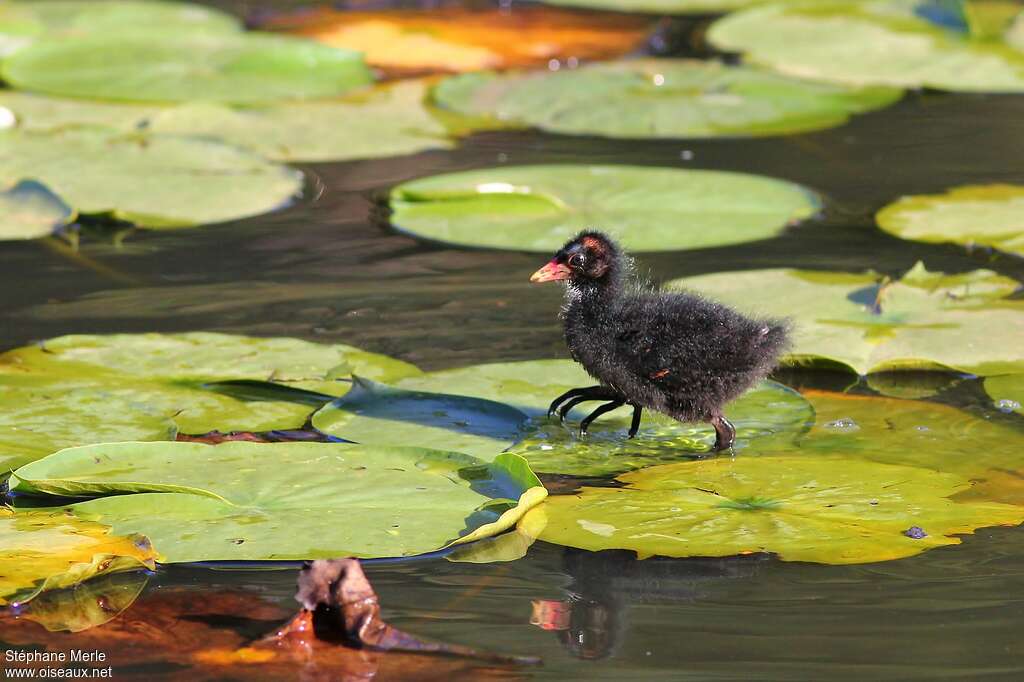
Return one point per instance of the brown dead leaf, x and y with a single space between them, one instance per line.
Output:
457 39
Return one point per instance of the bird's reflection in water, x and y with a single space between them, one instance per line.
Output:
592 621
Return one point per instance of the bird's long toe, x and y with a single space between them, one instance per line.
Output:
607 407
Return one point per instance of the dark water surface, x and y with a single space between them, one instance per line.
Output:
325 270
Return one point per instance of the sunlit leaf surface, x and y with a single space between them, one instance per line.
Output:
177 66
537 208
768 415
1007 392
866 323
451 38
883 42
658 98
825 510
256 501
48 549
29 210
974 215
154 181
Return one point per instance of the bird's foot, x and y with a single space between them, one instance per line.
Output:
570 399
607 407
725 433
635 424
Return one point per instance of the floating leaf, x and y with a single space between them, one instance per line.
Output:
256 501
29 210
865 323
1007 392
81 389
658 98
383 415
49 549
868 43
154 181
87 605
825 510
766 415
23 22
388 120
537 208
160 66
912 433
451 38
982 215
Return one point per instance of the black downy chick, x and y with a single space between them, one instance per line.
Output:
671 352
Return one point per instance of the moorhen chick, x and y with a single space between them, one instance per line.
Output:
671 352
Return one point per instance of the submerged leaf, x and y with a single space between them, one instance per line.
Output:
982 215
864 323
882 42
29 210
48 549
537 208
658 98
86 605
154 181
262 501
452 38
178 66
824 510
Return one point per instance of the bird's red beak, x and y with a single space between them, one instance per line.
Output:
552 272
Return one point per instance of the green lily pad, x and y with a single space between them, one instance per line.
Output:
43 113
47 417
21 23
377 414
824 510
29 210
913 433
883 42
658 98
81 389
983 215
866 323
161 66
1007 392
389 120
537 208
154 181
770 415
49 549
255 501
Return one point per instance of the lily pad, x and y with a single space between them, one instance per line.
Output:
388 120
659 98
29 210
377 414
154 181
537 208
81 389
982 215
824 510
913 433
453 38
86 605
883 42
21 23
1007 392
253 501
162 66
867 323
48 549
770 415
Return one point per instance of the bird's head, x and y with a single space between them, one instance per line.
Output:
589 258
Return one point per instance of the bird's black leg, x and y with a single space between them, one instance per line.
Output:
569 404
635 425
607 407
572 393
725 433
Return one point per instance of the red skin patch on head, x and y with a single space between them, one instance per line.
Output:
593 244
659 374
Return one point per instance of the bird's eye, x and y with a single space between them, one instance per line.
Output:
576 260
